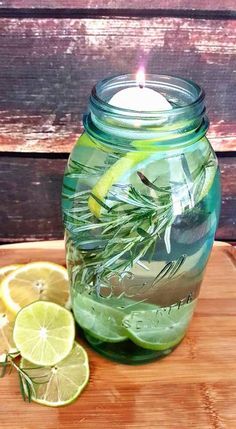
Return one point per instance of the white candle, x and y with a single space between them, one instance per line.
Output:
140 98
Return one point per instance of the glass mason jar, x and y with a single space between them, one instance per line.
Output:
141 202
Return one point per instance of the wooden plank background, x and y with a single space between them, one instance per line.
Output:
87 5
52 52
49 66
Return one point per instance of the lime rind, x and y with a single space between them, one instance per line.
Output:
210 173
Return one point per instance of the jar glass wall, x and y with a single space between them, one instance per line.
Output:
141 201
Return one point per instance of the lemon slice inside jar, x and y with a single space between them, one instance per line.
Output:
123 168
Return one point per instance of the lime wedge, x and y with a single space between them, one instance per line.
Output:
100 319
159 329
44 333
210 173
60 384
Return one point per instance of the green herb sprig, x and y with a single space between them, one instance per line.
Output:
130 224
25 381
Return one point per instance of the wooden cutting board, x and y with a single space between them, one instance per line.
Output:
194 387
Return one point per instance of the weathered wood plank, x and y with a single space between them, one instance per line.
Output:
30 191
49 66
122 4
30 198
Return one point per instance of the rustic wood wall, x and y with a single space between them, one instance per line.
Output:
53 51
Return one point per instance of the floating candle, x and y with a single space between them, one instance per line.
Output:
140 98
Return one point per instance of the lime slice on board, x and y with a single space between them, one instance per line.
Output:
44 333
34 281
62 383
158 329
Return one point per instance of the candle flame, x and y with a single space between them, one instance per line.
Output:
140 77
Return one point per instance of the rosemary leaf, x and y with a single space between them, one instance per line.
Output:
100 202
167 238
143 233
29 390
22 388
151 185
177 266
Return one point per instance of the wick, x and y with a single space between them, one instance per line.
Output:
141 85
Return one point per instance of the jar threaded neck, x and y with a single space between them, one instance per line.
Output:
184 124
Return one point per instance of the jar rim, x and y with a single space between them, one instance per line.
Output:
183 85
185 122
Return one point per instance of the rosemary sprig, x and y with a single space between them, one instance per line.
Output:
25 381
130 224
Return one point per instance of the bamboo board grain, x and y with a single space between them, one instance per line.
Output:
194 387
50 65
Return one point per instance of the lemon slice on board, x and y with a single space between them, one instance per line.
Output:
35 281
62 383
7 319
7 344
4 271
44 332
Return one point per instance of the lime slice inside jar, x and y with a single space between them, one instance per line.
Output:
159 329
